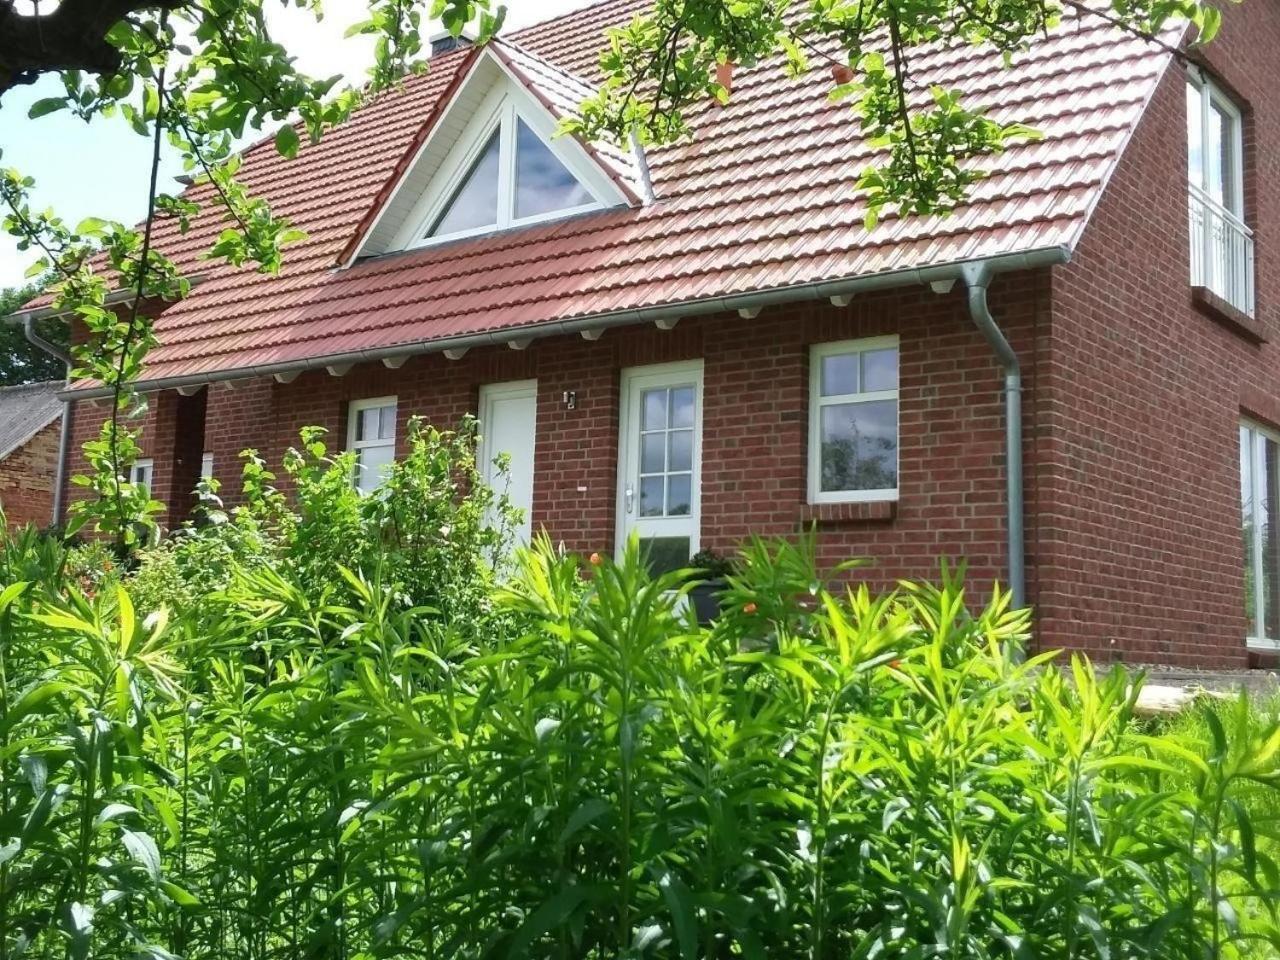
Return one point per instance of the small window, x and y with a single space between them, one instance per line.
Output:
853 421
1221 242
1260 503
514 179
371 435
141 473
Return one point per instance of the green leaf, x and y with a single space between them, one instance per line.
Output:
585 814
178 895
143 850
46 106
680 905
31 702
287 141
548 917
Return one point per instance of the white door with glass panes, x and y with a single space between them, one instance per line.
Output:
660 454
508 425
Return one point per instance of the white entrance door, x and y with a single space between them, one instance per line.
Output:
508 424
660 461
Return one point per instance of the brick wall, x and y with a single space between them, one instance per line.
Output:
1139 543
755 423
26 479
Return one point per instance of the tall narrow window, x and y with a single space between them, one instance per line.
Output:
853 421
1221 242
1259 512
372 436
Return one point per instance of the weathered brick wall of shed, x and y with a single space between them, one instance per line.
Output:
26 479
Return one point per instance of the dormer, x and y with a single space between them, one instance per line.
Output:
488 159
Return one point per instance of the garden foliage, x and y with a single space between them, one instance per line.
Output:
324 727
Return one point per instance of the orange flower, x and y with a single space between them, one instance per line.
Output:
595 560
748 607
895 664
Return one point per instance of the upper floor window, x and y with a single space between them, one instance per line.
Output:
853 421
371 435
512 178
1221 242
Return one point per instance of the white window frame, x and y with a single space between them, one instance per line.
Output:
501 113
817 353
1212 95
1258 434
143 473
355 408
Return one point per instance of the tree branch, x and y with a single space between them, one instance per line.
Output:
73 36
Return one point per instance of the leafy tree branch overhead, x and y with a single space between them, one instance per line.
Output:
202 75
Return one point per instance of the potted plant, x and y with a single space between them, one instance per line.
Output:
713 571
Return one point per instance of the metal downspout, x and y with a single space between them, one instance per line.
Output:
977 277
64 435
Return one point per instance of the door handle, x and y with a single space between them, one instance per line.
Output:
630 494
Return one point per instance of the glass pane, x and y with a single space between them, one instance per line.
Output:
665 554
387 422
860 446
679 495
682 407
839 374
681 450
1195 137
880 370
475 204
654 403
1267 513
367 424
651 452
1216 153
372 466
542 182
651 496
1247 528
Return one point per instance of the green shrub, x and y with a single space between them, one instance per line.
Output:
311 767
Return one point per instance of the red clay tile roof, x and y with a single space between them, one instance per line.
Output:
762 198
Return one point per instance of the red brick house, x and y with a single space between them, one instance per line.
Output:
1070 382
30 426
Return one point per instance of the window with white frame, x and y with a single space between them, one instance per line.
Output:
371 435
510 178
1259 513
853 421
141 473
1221 241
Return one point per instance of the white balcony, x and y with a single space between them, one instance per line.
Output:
1221 251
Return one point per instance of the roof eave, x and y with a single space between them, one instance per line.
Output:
1056 255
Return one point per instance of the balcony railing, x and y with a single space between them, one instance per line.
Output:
1221 251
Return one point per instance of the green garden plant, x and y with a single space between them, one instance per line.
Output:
399 752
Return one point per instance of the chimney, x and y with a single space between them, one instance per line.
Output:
444 41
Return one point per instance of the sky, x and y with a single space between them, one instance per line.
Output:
101 169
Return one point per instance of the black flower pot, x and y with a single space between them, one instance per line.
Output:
705 598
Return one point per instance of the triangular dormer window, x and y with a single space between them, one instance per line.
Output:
511 177
489 160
